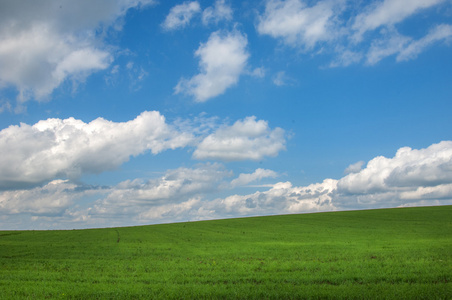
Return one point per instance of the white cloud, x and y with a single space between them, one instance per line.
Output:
354 168
258 72
385 15
138 201
51 199
442 191
244 140
440 32
278 79
405 47
37 61
258 174
31 155
409 169
55 147
282 198
155 198
180 15
174 185
411 178
345 57
5 106
388 12
185 211
222 61
44 44
326 27
298 24
220 11
281 79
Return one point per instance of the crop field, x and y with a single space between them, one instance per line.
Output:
403 253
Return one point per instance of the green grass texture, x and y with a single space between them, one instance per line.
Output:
402 253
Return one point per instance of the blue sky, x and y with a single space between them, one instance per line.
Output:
119 113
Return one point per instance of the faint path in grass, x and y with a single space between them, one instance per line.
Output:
118 235
10 233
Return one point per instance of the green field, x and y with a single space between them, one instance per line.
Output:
403 253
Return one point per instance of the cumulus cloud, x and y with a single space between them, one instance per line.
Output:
298 24
129 202
246 139
70 147
409 168
51 199
442 191
258 174
216 13
155 198
180 15
44 44
174 185
31 155
222 61
412 177
282 198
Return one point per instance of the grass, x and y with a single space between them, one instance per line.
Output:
403 253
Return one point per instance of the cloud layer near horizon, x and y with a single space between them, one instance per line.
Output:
411 177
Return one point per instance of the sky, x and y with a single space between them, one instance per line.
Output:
132 112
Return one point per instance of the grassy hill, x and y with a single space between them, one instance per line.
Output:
403 253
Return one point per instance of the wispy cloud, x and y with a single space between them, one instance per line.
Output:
218 12
368 31
354 168
258 174
298 24
437 34
387 13
282 79
180 15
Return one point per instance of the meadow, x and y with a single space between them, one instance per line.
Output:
403 253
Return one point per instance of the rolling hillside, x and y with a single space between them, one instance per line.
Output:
391 253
